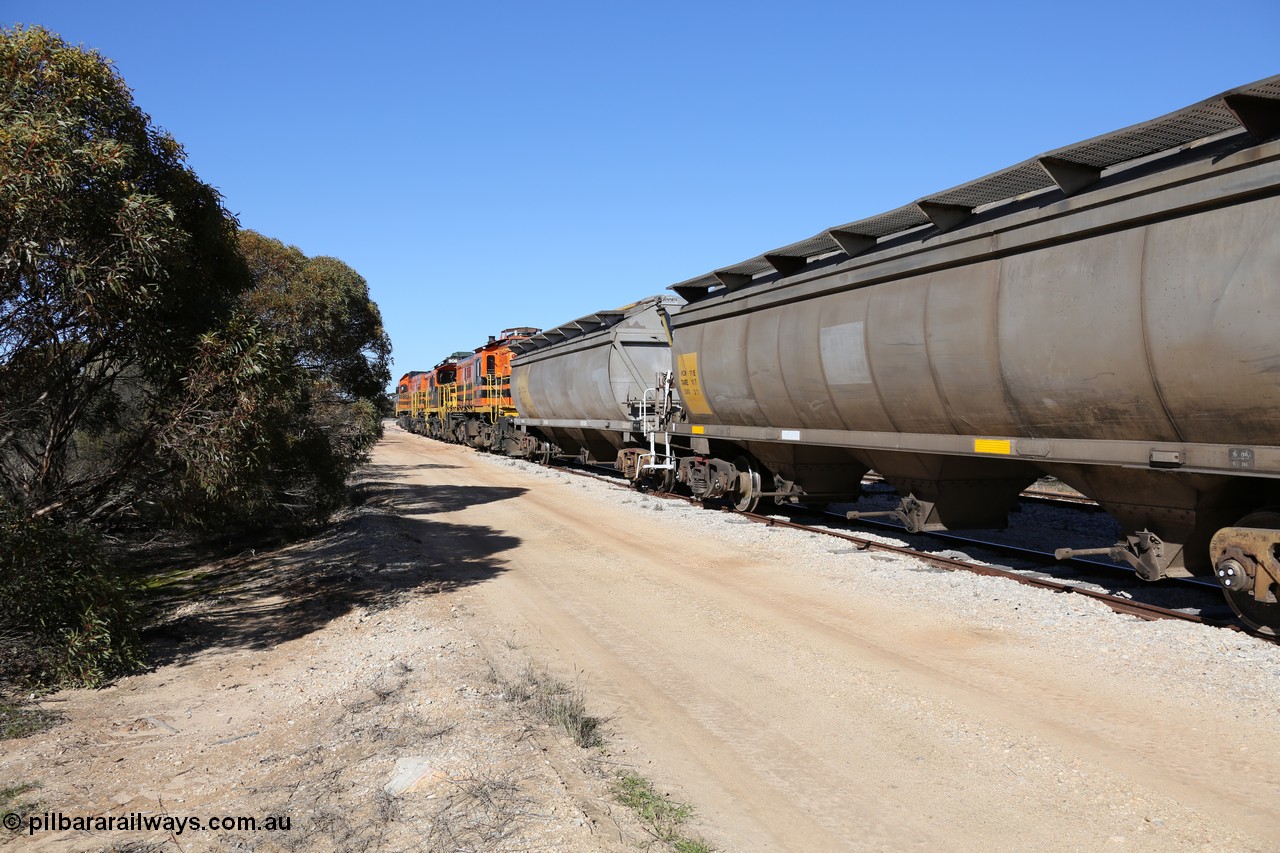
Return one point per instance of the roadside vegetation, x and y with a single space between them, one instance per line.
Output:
163 373
555 703
13 797
564 707
661 817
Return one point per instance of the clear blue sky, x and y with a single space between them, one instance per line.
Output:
497 164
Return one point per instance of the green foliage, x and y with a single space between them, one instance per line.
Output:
116 261
158 368
16 722
10 794
156 364
556 703
320 308
661 818
330 355
219 436
68 616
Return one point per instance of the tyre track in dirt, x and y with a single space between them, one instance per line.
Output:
799 713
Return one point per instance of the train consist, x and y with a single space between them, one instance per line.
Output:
463 397
1105 313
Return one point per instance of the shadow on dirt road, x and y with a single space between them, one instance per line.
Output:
387 547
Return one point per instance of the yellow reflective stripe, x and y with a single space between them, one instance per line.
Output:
1002 446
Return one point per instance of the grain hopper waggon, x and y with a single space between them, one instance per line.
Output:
1104 313
579 388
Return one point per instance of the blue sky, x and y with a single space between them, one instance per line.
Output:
499 164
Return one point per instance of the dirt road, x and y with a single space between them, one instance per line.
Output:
801 696
803 710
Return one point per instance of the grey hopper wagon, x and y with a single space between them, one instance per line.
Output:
579 387
1105 313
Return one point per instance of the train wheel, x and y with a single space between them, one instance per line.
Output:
657 481
746 495
1261 616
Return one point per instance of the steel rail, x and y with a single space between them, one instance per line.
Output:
1139 609
1042 558
1142 610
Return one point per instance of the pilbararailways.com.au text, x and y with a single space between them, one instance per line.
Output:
142 822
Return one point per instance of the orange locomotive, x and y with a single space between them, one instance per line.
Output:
405 397
411 398
425 397
462 397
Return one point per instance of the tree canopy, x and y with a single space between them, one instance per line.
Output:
160 369
322 308
116 262
318 407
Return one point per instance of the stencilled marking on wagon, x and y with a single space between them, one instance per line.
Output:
690 386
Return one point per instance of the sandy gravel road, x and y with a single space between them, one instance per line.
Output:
802 708
801 695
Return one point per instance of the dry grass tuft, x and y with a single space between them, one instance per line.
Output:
478 812
554 702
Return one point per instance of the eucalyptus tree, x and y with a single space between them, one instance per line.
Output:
119 269
158 368
318 313
120 279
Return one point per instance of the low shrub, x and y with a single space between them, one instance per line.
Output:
67 615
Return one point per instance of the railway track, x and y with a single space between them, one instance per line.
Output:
1032 556
1040 560
1044 559
1143 610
